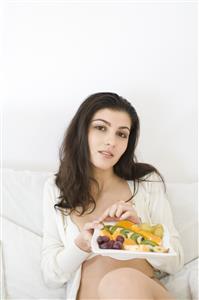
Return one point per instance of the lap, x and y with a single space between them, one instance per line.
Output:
133 273
133 283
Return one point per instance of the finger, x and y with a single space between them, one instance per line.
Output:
110 219
109 212
90 225
131 217
121 201
112 210
87 239
103 216
120 210
123 207
98 226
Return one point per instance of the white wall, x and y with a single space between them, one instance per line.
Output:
57 53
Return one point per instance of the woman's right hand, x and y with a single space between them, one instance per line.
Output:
83 240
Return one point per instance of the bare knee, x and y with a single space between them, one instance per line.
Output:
124 275
122 282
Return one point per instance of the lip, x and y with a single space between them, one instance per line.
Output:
106 153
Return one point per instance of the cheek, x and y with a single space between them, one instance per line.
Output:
124 146
122 149
92 141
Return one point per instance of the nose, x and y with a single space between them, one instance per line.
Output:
110 140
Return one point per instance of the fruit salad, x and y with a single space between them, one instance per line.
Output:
126 235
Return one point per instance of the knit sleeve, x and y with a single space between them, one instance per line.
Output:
58 261
160 213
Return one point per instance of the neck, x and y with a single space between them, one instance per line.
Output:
104 178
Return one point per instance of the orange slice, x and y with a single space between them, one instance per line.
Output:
125 224
129 242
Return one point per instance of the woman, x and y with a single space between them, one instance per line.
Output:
99 179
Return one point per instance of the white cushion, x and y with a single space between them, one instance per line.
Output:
2 277
22 198
184 284
193 279
21 251
22 194
183 200
22 234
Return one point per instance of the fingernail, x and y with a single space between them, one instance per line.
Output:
100 226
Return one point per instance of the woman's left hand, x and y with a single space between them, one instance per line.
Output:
120 211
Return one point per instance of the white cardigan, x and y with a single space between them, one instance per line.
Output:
61 259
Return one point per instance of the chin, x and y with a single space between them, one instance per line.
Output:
103 167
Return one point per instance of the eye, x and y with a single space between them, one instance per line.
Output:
123 135
100 127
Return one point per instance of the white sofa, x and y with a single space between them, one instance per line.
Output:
21 236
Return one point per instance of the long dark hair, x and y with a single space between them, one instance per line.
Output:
74 176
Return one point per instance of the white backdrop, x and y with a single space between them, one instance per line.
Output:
56 53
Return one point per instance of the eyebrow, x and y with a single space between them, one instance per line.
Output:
109 124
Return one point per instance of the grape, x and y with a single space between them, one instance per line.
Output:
105 238
104 245
120 238
117 245
110 244
99 240
102 239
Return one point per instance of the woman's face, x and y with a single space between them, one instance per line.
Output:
108 136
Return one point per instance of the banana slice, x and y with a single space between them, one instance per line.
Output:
160 249
146 248
140 248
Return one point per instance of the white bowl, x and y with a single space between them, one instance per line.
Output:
129 254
